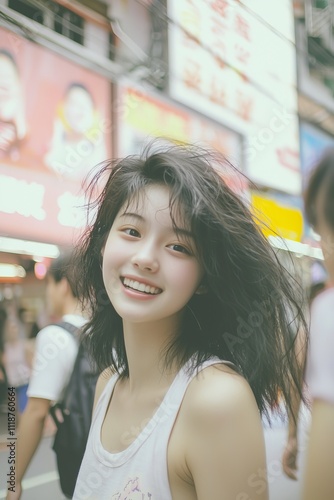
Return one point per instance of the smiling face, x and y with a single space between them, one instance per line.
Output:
79 110
9 89
150 273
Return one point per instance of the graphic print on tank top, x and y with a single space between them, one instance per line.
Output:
132 491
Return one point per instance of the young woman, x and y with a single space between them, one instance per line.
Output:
319 204
189 317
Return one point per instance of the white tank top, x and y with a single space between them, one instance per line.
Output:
140 471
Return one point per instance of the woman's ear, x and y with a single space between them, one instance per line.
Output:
64 286
202 289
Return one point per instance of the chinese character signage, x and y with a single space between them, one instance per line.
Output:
236 63
175 123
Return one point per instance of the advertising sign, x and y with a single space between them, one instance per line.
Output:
279 218
145 117
54 129
313 144
238 66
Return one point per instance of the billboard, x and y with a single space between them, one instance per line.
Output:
55 128
313 144
143 117
237 64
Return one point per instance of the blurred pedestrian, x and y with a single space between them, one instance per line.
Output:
291 448
319 205
319 282
16 364
55 354
188 308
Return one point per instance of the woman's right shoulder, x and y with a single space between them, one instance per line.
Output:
101 383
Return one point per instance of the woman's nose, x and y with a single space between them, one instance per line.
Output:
146 258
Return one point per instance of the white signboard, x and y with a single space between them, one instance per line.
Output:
239 68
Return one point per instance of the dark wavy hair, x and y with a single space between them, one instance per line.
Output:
245 316
62 267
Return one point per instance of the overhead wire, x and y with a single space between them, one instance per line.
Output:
298 50
218 58
176 78
160 11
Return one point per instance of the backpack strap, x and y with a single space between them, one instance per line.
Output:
69 327
59 407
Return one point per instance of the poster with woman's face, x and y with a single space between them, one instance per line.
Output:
55 129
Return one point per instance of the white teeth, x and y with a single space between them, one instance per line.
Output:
141 287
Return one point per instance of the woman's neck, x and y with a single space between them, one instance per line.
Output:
145 346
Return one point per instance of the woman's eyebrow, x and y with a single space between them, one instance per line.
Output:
130 214
177 230
183 232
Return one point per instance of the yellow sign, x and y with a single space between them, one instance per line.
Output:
156 119
276 219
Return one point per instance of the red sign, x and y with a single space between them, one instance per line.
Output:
40 208
54 128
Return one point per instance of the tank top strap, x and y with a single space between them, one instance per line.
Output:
175 395
103 401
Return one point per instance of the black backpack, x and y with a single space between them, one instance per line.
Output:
73 417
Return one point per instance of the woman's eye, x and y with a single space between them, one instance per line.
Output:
180 248
131 232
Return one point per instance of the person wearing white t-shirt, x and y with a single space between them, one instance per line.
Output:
55 354
319 205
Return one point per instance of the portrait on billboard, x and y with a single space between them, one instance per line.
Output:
77 141
13 126
54 114
55 129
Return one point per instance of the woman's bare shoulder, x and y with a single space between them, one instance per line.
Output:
218 390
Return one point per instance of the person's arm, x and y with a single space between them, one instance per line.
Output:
30 433
47 382
225 453
319 476
290 453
